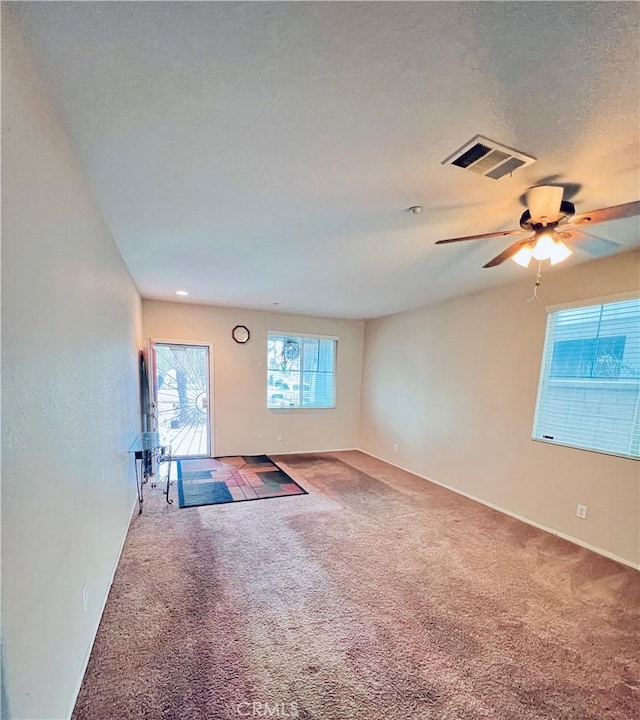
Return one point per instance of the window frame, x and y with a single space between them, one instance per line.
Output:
546 380
301 383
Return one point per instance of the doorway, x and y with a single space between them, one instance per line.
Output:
181 396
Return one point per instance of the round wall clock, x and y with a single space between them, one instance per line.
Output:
240 334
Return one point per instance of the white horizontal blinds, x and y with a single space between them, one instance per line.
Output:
318 372
300 371
589 393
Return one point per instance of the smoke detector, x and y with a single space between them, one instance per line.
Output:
489 158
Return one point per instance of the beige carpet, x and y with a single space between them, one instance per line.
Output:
376 596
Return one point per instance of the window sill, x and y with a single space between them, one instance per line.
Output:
624 456
301 407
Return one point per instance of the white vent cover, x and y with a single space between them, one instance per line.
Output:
489 158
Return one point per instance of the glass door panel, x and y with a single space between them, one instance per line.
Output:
181 393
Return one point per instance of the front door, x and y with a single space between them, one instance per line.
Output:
181 394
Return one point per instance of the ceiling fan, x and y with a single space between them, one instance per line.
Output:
552 220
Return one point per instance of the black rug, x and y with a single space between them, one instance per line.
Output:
210 481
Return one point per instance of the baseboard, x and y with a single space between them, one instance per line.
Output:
315 452
134 509
504 511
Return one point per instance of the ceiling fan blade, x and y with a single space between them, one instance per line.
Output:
617 212
509 252
544 202
591 244
500 233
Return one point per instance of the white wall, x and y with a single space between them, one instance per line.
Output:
242 422
454 385
71 326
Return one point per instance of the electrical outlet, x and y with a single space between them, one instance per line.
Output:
395 447
278 438
581 512
85 598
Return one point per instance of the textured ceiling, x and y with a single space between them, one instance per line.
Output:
260 153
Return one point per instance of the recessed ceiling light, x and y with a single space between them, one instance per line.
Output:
182 293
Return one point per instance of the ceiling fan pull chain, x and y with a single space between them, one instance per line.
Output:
537 284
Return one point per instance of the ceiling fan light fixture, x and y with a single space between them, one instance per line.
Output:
548 228
523 256
560 252
544 247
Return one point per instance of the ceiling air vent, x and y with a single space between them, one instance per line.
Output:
489 158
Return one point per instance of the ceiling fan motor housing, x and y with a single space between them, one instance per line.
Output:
566 212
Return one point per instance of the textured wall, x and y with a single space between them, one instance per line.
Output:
242 422
70 333
455 384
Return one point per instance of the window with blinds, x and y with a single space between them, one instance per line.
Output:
301 371
589 392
